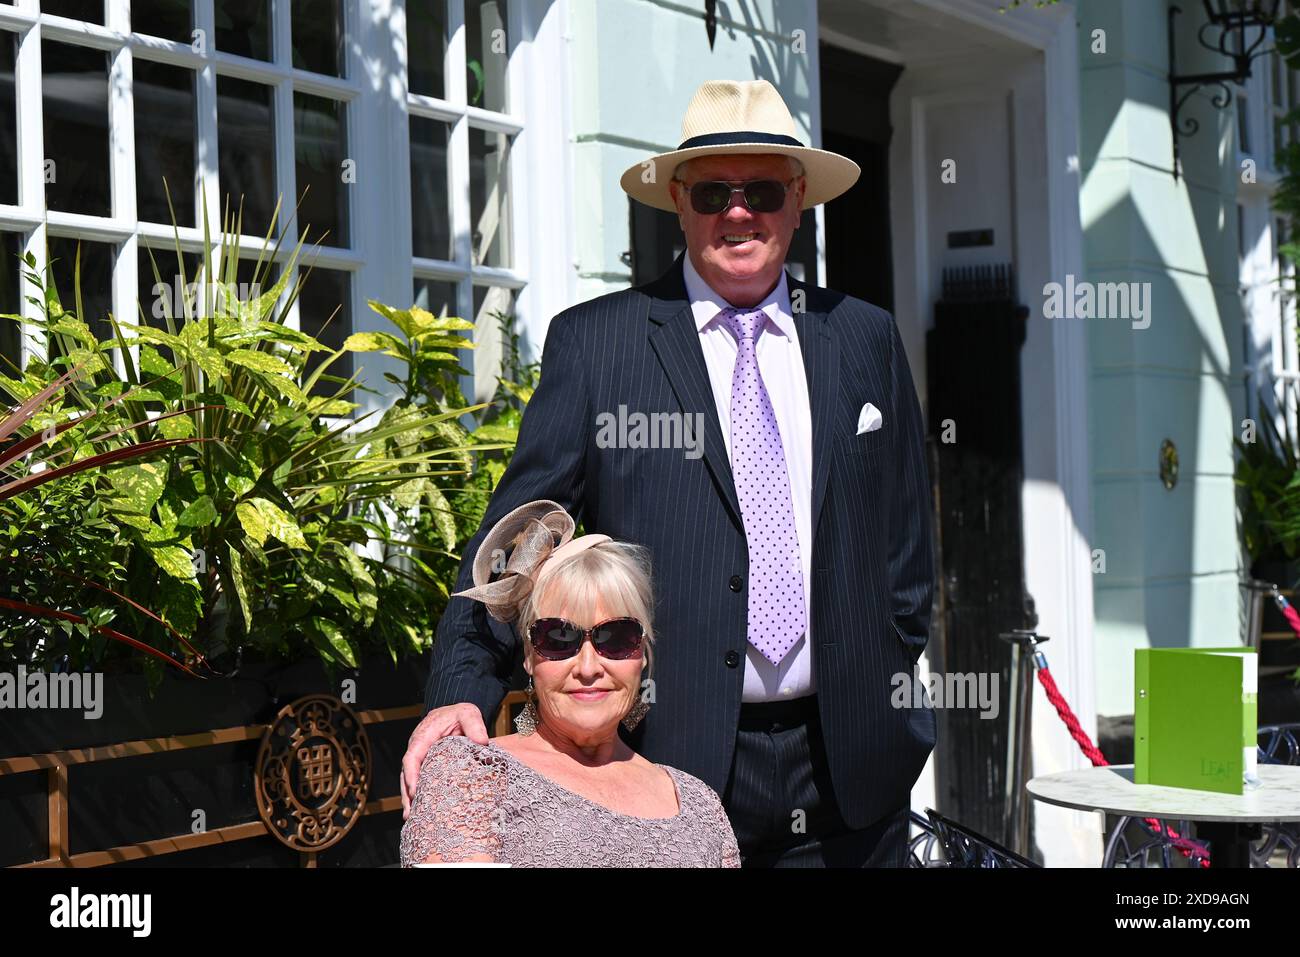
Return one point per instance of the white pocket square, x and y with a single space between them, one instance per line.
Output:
869 419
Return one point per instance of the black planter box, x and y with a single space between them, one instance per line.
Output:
135 799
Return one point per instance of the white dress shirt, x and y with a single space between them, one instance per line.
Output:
780 362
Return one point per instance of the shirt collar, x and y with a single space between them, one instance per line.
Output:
706 304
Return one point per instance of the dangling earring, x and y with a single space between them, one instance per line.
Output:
527 720
633 717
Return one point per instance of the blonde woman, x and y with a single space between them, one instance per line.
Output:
566 791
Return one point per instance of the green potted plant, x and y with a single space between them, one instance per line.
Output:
263 539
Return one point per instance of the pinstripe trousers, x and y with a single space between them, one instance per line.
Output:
780 800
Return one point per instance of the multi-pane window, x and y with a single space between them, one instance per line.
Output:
120 117
463 125
1284 94
1272 366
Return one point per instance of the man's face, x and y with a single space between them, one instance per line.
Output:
739 253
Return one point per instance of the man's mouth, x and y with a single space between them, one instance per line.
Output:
735 239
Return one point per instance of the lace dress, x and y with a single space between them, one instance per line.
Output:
476 799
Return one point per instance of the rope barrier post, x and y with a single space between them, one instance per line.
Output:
1024 647
1257 591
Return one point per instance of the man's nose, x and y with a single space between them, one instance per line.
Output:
737 205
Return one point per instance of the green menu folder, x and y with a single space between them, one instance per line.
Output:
1194 717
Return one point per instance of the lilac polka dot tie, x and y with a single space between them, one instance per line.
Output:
776 608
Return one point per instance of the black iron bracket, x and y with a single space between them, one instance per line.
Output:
1241 58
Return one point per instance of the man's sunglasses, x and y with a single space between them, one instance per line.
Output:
556 639
710 197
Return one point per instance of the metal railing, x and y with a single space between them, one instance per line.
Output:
55 765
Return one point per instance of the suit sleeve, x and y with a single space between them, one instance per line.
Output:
911 559
474 654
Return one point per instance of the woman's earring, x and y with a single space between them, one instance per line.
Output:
526 721
633 717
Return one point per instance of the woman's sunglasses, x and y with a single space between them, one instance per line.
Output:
710 197
556 639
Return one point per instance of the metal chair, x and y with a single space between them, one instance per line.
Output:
963 847
924 848
1134 843
1278 744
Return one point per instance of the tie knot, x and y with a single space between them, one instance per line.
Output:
744 323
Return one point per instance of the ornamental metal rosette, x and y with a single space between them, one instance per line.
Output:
313 772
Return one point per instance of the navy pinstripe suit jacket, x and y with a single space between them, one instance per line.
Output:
872 564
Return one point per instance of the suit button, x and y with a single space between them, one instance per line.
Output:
735 583
732 659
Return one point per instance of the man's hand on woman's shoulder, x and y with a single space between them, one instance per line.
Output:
463 719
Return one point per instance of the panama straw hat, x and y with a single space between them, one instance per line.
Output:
727 117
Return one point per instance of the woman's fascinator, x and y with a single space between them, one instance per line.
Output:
519 549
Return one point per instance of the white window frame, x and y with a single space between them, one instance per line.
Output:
455 110
1272 361
375 91
121 228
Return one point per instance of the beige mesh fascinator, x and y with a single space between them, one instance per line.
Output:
535 536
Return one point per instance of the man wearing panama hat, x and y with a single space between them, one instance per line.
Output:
792 559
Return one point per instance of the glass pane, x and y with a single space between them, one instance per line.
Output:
1278 67
8 123
96 280
246 148
244 27
170 19
426 46
318 36
166 293
437 296
1243 127
325 311
430 209
494 309
489 199
11 333
323 169
91 11
164 142
75 100
487 53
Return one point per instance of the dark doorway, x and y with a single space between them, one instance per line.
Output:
855 123
978 470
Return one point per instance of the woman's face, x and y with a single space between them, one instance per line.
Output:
583 697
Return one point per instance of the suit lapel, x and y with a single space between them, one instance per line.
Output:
821 362
676 341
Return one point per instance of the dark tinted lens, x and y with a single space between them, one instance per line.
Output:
555 638
620 638
765 196
710 197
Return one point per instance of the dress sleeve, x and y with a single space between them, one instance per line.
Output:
457 807
730 849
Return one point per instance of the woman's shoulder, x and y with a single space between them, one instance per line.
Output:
459 753
694 792
704 817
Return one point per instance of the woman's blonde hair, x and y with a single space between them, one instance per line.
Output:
614 574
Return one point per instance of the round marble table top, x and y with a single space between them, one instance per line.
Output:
1111 789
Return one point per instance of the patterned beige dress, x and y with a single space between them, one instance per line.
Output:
476 799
